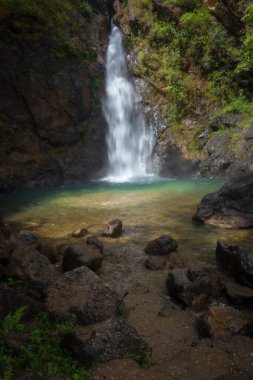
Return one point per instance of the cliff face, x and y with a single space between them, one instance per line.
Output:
51 83
192 61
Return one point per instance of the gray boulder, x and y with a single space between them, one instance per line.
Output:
77 255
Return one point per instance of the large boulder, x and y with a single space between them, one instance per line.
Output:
164 245
112 339
81 294
77 255
231 206
195 287
219 321
238 294
28 264
236 261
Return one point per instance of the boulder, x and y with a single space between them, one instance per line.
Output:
231 206
26 237
109 340
220 321
95 242
82 295
113 228
49 251
238 294
155 263
7 246
77 255
195 287
236 261
164 245
28 264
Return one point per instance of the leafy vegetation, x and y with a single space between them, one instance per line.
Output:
40 353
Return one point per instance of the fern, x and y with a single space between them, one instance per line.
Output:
11 323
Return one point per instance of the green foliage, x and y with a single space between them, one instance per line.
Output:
239 105
143 357
12 322
246 63
85 8
220 84
197 22
248 15
42 354
187 5
122 310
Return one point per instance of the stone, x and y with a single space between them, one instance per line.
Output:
109 340
113 228
77 255
238 294
220 321
164 245
231 206
82 295
28 264
195 287
49 251
236 261
26 237
7 246
12 299
79 233
155 263
95 242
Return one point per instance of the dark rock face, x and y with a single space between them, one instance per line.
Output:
51 121
195 287
28 264
109 340
164 245
220 321
113 229
77 255
80 293
26 237
236 261
95 242
231 206
238 294
227 13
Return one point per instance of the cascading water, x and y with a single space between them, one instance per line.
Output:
129 143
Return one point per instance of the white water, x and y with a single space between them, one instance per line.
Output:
129 143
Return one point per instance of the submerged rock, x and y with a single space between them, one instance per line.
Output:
164 245
112 339
195 287
26 237
231 206
113 228
220 321
236 261
79 233
81 294
77 255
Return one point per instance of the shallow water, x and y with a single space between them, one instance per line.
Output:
147 209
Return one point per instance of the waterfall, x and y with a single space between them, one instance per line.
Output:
129 143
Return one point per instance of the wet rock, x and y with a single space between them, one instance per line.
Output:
7 246
28 264
236 261
195 287
50 252
81 294
155 263
79 233
220 321
26 237
238 294
12 299
231 206
77 255
113 228
95 242
109 340
164 245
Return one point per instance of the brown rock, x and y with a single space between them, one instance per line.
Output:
113 228
26 237
80 293
155 263
79 233
77 255
238 294
220 321
164 245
